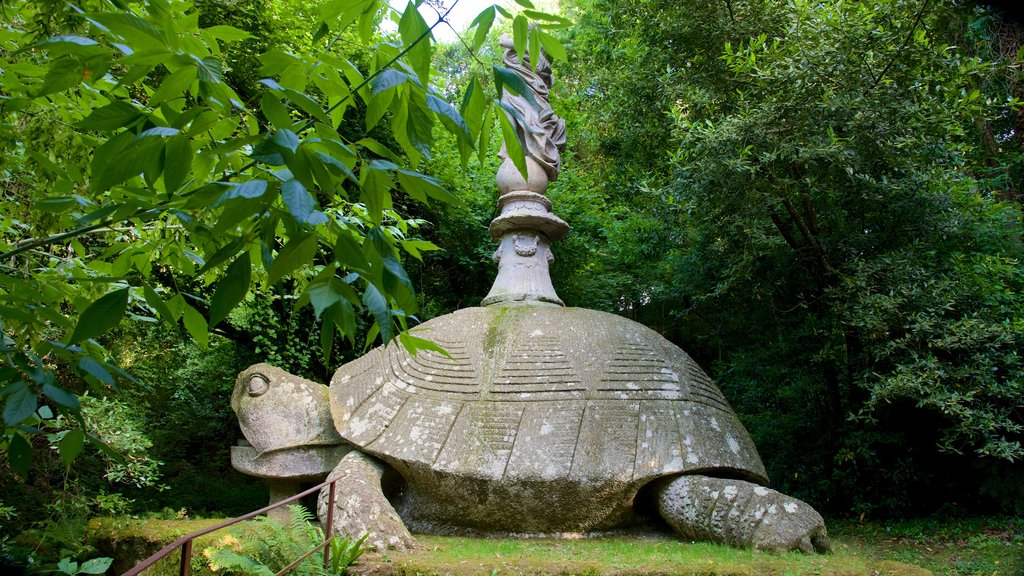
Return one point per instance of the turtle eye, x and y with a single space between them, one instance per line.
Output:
258 385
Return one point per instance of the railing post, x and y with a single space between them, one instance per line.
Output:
330 524
186 558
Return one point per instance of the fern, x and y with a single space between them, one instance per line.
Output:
267 546
344 553
228 561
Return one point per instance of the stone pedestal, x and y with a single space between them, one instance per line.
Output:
524 231
286 470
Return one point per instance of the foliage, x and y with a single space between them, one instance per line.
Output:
264 546
93 566
118 426
175 185
344 553
183 397
824 221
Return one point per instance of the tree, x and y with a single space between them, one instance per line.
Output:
836 240
143 178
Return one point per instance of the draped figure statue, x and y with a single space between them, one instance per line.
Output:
540 130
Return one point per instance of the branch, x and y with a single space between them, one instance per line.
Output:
805 231
24 246
784 229
917 20
309 123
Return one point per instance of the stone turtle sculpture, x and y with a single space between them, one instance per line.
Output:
547 421
538 419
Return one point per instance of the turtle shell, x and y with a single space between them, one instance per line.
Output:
534 393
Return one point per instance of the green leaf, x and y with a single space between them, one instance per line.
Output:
378 307
157 303
378 106
302 100
296 253
524 3
250 189
343 315
222 254
450 117
136 32
414 247
62 397
19 455
419 123
300 203
520 29
326 290
485 134
100 316
159 132
178 162
62 74
20 403
173 86
209 70
552 46
71 445
196 325
326 340
66 44
96 370
505 78
554 20
414 344
231 289
121 158
375 190
421 187
513 147
56 204
96 566
474 104
275 111
226 33
113 116
345 11
533 36
387 80
483 22
286 139
379 149
349 253
416 37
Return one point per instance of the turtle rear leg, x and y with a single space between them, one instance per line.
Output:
740 514
360 505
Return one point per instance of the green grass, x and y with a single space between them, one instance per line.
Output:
961 547
621 556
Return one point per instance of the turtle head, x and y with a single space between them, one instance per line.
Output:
277 410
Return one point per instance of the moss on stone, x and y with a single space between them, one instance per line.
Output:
129 541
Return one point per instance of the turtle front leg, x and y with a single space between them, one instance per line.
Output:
360 505
741 514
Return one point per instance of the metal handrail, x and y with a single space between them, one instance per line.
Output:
185 542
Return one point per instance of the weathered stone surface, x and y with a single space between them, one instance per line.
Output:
361 507
741 514
543 419
289 435
278 411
